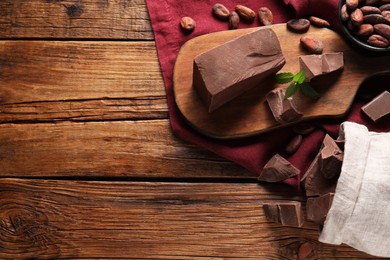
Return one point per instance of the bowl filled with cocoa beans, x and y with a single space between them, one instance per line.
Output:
366 23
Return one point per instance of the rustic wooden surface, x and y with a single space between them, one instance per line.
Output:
249 114
89 167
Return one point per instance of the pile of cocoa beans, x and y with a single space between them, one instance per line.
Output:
242 12
368 21
233 17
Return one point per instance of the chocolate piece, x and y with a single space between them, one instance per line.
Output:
283 110
317 208
331 158
226 71
314 181
316 65
271 212
286 213
379 107
277 169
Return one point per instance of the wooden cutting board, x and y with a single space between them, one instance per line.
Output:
249 114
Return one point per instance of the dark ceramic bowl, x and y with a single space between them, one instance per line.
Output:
356 41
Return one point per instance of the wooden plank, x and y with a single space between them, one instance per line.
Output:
123 149
56 80
99 19
85 110
78 219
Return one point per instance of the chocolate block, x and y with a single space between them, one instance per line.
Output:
317 208
379 107
227 71
316 65
277 169
314 181
331 158
285 213
282 109
271 212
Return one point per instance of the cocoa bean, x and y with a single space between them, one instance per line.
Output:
312 44
382 29
234 20
372 2
220 11
352 4
304 128
305 250
385 7
344 13
364 30
294 144
319 22
245 13
351 26
298 25
357 17
265 16
386 15
374 18
378 41
187 24
370 10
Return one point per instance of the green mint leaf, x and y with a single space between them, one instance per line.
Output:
291 90
299 78
283 78
308 91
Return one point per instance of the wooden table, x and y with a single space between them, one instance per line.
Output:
88 163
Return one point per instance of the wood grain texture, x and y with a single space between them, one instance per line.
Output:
56 80
123 149
249 114
75 219
100 19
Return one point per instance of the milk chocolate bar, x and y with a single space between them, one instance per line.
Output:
227 71
331 158
283 109
316 65
379 107
278 169
285 213
317 208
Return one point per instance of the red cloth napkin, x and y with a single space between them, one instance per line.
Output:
254 152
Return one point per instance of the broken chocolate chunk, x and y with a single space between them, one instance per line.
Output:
316 65
379 107
283 109
331 158
317 208
314 181
340 143
228 70
285 213
271 212
277 169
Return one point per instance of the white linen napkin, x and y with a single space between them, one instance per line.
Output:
360 212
